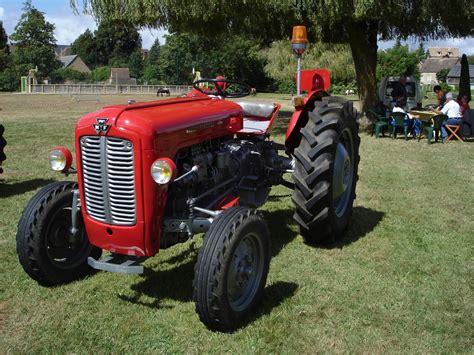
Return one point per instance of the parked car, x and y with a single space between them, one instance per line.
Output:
414 94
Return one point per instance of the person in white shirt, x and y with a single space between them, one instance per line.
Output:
451 109
412 121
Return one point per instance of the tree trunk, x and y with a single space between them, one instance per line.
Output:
363 42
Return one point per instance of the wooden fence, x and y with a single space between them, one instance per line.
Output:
96 89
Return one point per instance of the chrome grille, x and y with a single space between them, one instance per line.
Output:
109 179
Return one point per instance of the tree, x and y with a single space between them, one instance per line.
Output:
470 59
359 22
154 53
35 43
442 75
336 57
4 49
464 81
115 41
398 60
235 57
135 64
86 47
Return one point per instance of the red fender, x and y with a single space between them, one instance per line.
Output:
299 116
316 83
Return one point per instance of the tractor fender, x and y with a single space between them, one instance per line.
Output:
299 117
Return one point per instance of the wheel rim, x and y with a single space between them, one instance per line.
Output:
64 250
343 175
245 272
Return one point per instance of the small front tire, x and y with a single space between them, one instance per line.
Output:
232 268
46 249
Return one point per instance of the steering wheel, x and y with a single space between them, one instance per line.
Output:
223 88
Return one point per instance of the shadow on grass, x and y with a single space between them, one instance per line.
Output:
274 295
8 190
278 223
363 221
174 283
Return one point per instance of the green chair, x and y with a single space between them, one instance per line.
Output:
434 125
380 124
399 120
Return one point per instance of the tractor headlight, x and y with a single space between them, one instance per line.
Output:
163 171
60 159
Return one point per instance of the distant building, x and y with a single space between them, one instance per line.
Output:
74 62
455 74
438 59
439 52
121 76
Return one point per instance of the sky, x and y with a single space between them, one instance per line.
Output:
69 26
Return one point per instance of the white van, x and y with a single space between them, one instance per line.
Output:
414 96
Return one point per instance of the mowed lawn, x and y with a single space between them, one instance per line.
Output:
400 281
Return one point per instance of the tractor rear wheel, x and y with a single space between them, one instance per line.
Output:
232 268
47 250
325 175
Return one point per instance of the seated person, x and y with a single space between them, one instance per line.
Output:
440 95
451 109
412 121
399 91
381 109
463 101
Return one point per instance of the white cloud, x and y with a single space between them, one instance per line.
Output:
149 36
2 11
68 28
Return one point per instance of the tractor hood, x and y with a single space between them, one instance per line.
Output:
163 117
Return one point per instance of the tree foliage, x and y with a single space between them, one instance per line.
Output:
464 80
112 43
85 46
35 43
136 64
116 40
154 53
4 49
399 60
235 57
69 74
281 64
442 75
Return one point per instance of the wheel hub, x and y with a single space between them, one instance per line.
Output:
342 171
244 273
343 174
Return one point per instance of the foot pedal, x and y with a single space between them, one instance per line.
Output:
123 264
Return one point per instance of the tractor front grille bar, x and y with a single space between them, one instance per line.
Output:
109 179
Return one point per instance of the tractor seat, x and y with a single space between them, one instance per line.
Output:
256 115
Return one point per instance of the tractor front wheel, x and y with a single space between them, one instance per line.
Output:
47 250
232 268
325 175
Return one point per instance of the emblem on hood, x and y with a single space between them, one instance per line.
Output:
101 126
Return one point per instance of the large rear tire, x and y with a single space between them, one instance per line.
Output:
232 268
326 164
46 249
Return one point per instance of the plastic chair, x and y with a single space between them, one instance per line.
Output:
380 123
435 126
399 120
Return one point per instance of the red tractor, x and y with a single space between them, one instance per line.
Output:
154 174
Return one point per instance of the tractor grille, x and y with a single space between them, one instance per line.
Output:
109 179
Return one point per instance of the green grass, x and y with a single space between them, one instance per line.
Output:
399 281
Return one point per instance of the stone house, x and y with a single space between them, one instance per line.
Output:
121 76
438 59
455 74
74 62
